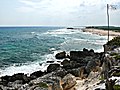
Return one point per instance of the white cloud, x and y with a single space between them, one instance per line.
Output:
69 10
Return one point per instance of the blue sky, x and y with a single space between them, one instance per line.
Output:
58 12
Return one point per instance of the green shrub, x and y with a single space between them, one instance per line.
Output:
42 84
116 87
116 74
117 57
114 42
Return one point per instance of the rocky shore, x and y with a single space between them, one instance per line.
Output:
80 70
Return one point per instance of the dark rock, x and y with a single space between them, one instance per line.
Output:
91 50
5 78
36 74
60 55
70 28
50 61
85 50
78 55
20 76
70 64
65 62
53 67
61 73
75 72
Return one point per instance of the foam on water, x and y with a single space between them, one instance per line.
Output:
71 39
27 69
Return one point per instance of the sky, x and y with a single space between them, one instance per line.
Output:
58 12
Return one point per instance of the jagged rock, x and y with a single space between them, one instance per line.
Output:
77 55
36 74
75 72
60 55
4 80
52 67
109 84
50 62
18 76
61 73
92 64
65 62
68 81
16 84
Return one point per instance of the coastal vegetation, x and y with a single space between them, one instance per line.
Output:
116 29
114 42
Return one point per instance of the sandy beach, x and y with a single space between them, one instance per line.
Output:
102 32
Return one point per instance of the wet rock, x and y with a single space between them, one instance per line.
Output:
20 76
36 74
60 55
50 61
65 63
53 67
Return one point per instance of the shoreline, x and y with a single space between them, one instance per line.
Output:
102 32
82 76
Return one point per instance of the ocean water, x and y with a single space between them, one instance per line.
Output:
26 49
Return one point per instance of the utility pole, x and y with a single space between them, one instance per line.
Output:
108 19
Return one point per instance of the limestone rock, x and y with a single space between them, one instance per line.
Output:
68 81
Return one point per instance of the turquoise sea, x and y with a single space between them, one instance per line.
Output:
26 49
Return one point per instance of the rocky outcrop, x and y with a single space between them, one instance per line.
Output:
68 82
37 74
52 67
18 76
60 55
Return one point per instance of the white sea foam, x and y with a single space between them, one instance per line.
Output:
71 43
27 69
31 67
63 31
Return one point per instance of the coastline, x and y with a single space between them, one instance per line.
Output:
82 76
102 32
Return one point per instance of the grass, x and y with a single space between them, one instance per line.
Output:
116 74
116 87
43 85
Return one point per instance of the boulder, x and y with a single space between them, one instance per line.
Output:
65 63
50 61
77 55
60 55
61 73
68 82
74 72
36 74
53 67
20 76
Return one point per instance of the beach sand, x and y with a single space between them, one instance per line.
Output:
101 32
